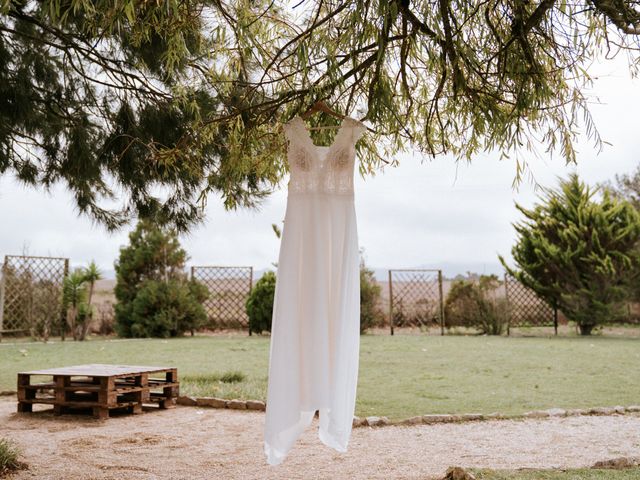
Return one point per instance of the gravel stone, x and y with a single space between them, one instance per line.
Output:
438 418
411 421
556 412
536 414
212 402
256 405
602 411
237 404
471 417
187 401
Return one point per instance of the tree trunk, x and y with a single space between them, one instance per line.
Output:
72 314
586 328
85 326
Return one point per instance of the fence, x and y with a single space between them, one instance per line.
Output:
525 308
415 298
31 297
229 288
31 294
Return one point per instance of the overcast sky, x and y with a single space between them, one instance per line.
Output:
424 213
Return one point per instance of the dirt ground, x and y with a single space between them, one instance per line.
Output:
192 443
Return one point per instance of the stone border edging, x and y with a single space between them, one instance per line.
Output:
214 402
375 421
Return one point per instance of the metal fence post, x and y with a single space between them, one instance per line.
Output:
390 303
441 302
250 288
193 332
63 316
2 279
506 299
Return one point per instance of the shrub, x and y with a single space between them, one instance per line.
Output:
577 253
9 454
260 302
259 305
105 318
78 291
371 314
471 303
167 309
155 296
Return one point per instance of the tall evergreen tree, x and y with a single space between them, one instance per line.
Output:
577 252
155 297
627 187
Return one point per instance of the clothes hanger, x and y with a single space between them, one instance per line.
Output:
320 106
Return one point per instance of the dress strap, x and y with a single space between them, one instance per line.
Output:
295 132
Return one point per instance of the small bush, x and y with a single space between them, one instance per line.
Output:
9 454
167 309
471 304
371 314
106 318
260 303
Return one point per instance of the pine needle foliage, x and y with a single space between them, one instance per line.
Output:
147 109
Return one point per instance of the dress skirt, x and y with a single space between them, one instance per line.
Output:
315 337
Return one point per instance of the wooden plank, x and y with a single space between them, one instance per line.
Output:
24 407
105 397
70 403
100 370
48 401
39 386
24 379
93 388
61 396
101 413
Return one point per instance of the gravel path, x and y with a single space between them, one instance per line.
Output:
192 443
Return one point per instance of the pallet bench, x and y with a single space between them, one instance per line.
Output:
99 388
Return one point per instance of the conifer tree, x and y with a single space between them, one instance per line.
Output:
578 252
155 297
627 187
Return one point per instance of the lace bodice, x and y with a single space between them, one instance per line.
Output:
322 169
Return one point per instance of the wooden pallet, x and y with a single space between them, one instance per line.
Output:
99 388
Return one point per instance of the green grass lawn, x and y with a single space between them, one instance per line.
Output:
577 474
400 376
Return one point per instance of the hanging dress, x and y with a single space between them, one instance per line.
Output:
315 333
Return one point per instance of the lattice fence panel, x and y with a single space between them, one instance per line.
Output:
415 298
31 294
526 309
229 288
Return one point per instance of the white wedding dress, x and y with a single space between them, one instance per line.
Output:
315 336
